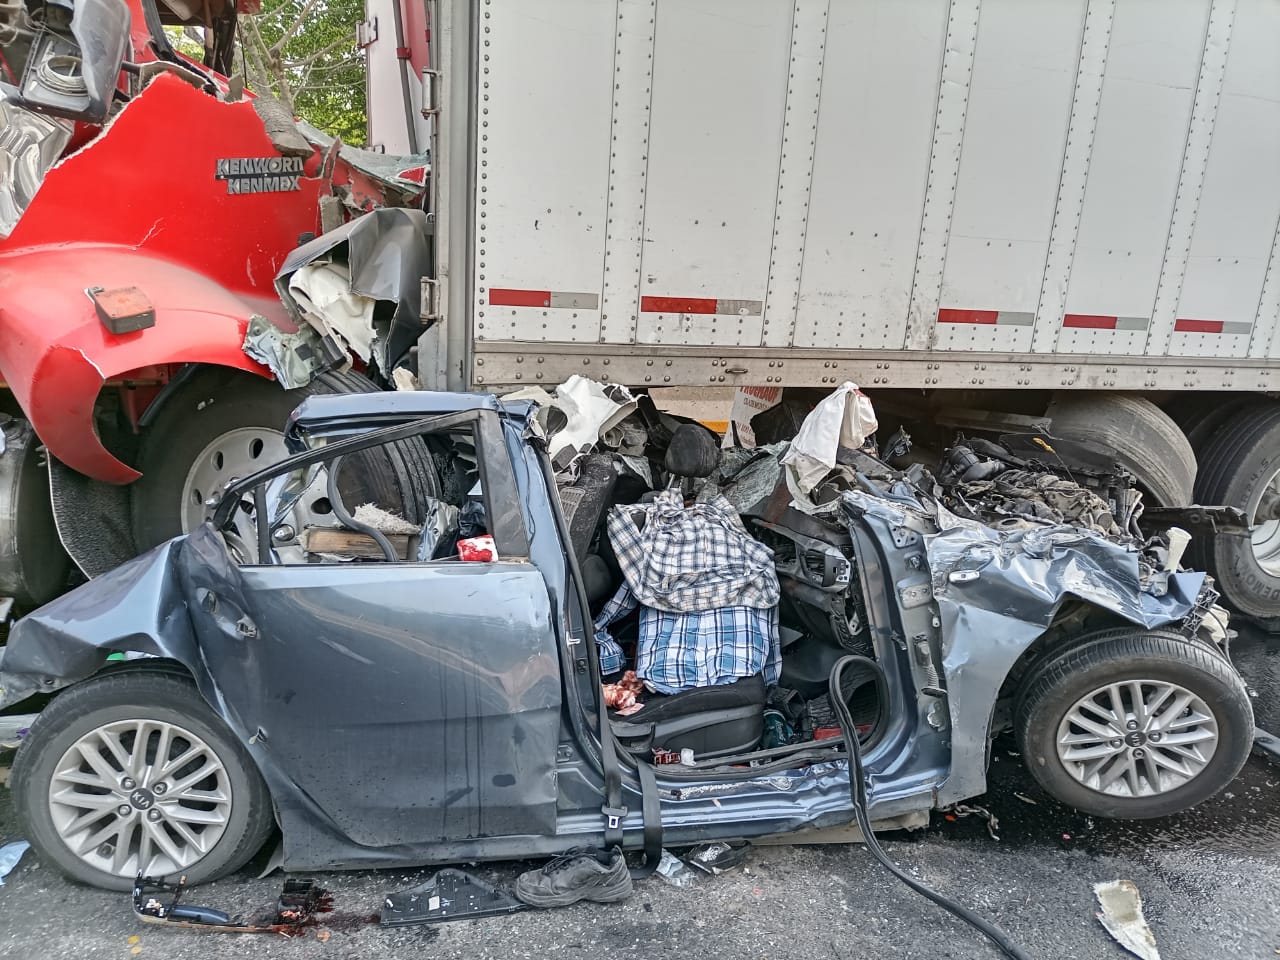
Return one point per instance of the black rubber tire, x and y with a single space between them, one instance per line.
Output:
144 694
1130 653
1145 439
1199 418
1237 461
219 399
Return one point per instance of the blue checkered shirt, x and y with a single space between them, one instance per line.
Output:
680 651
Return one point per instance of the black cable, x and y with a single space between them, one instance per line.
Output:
858 792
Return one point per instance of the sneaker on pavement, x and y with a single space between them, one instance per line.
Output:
577 875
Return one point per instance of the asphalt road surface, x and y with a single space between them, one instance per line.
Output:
1210 881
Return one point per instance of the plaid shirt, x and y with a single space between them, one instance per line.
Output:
680 651
691 559
708 593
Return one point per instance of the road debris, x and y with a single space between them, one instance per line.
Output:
1122 917
674 872
10 854
155 901
716 858
957 810
449 895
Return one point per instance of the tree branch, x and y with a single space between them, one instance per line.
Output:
293 28
322 52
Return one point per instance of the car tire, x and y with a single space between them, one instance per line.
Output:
101 707
1077 772
1145 439
1241 463
220 406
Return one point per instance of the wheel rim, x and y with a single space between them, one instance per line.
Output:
1137 738
1266 527
140 796
231 456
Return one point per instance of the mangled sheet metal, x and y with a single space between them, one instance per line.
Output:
360 285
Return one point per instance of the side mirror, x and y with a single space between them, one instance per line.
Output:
75 59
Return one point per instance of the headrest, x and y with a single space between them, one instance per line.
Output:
693 451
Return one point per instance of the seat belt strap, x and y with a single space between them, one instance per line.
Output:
652 811
613 810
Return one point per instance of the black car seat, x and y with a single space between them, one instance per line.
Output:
715 721
711 721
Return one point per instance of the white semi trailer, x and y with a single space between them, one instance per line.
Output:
975 209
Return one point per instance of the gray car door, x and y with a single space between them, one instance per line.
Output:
404 702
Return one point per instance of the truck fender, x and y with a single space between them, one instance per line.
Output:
56 354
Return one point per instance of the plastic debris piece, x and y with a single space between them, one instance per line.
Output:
673 871
1122 917
747 402
10 854
449 895
478 549
716 858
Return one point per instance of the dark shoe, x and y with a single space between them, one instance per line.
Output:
577 875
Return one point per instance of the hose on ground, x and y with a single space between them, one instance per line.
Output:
858 793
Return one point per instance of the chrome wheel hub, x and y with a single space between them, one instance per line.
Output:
1137 738
140 796
1266 527
231 456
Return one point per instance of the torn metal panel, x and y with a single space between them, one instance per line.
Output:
405 174
294 358
997 591
385 255
136 607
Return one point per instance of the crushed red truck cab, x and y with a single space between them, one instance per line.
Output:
164 185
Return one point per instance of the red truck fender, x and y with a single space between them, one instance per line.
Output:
56 354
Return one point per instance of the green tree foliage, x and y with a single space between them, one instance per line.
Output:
304 52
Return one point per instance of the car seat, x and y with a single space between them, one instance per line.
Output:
711 721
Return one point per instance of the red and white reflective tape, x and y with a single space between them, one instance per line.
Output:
560 299
1185 325
1095 321
997 318
1089 321
702 305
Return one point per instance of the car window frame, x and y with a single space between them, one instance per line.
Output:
493 461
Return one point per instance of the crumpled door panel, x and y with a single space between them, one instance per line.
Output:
408 703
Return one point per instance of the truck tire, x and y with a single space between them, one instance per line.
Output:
1146 440
1085 743
1241 468
1199 420
158 822
225 423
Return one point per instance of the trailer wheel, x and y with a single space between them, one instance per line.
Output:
225 423
1146 440
1134 724
1241 468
